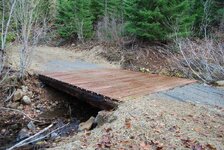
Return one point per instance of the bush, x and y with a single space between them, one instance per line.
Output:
201 60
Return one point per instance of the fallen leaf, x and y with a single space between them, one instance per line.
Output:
105 142
128 123
108 130
197 129
145 146
211 147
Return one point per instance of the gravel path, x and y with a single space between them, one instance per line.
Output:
196 93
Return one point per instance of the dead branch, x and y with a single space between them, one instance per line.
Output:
35 135
43 137
10 96
201 60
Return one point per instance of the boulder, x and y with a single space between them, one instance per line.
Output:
18 95
26 100
87 125
104 117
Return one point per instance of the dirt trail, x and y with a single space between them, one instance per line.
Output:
51 58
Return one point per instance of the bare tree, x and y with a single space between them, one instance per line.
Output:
206 17
5 27
7 8
29 29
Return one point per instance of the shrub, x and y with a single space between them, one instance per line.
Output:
201 60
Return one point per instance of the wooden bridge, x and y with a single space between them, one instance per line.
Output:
106 88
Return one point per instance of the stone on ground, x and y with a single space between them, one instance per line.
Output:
26 100
14 105
87 125
104 117
220 83
18 95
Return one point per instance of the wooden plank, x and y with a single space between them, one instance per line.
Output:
94 99
107 86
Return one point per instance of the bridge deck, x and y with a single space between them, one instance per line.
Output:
105 88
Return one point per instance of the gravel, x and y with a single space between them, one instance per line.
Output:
154 122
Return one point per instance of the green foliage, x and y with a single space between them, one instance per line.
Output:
208 13
109 8
74 19
11 37
219 11
96 8
144 19
158 19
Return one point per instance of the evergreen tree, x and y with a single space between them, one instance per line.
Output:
97 9
156 19
101 8
75 19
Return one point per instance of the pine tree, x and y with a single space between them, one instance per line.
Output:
156 19
101 8
97 10
75 19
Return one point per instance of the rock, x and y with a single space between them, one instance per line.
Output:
31 73
31 126
14 126
24 88
30 93
54 144
87 125
14 105
20 107
38 106
3 131
26 100
18 95
54 135
104 117
220 83
24 133
147 70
